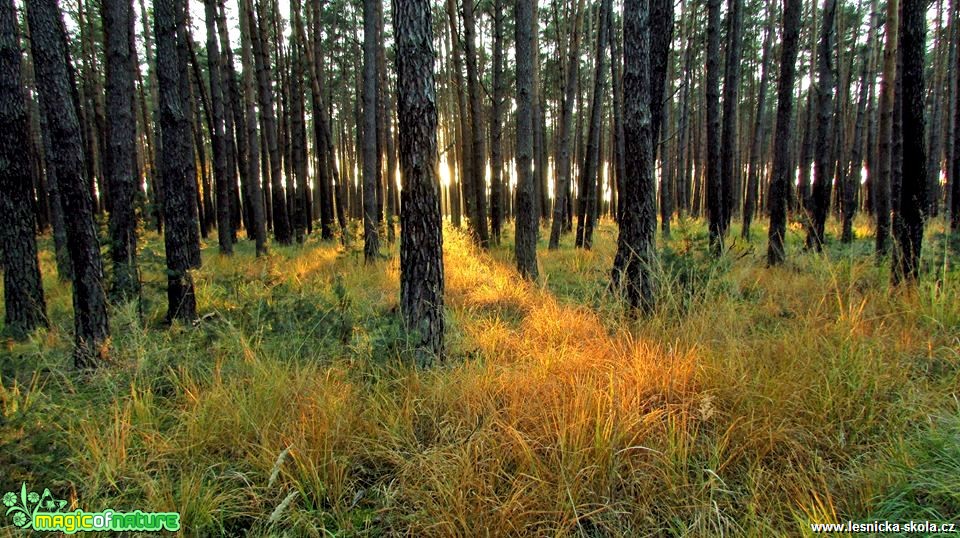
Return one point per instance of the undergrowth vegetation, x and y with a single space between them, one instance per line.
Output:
754 401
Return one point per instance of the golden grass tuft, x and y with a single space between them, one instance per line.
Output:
752 402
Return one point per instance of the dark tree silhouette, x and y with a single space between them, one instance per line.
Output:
636 246
371 212
782 170
58 105
713 164
181 241
23 300
912 202
225 232
478 152
823 166
121 156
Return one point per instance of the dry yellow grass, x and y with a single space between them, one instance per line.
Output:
752 402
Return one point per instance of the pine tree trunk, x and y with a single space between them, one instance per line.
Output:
636 243
527 224
588 175
882 192
225 231
24 304
52 64
823 161
782 170
371 239
180 239
255 194
570 91
421 240
714 158
753 180
616 59
909 217
729 171
279 215
121 165
496 124
478 153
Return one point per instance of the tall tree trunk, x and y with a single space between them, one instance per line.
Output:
616 60
298 131
527 225
753 180
371 238
465 174
852 184
636 243
782 171
887 101
823 160
253 155
23 300
52 64
570 86
591 164
479 152
180 240
714 157
421 239
496 124
909 217
121 157
280 217
729 170
225 231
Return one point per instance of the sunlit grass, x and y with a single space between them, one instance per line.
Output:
753 401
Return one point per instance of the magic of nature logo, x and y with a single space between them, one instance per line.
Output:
44 512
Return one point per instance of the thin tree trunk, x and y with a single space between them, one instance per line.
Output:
371 239
909 217
782 171
566 125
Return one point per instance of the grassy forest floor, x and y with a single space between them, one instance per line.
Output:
753 402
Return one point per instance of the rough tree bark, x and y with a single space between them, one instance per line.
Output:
823 166
479 153
180 237
713 164
636 242
52 64
23 300
371 238
252 138
121 156
225 232
496 124
782 171
591 164
729 156
911 211
527 223
421 239
882 190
